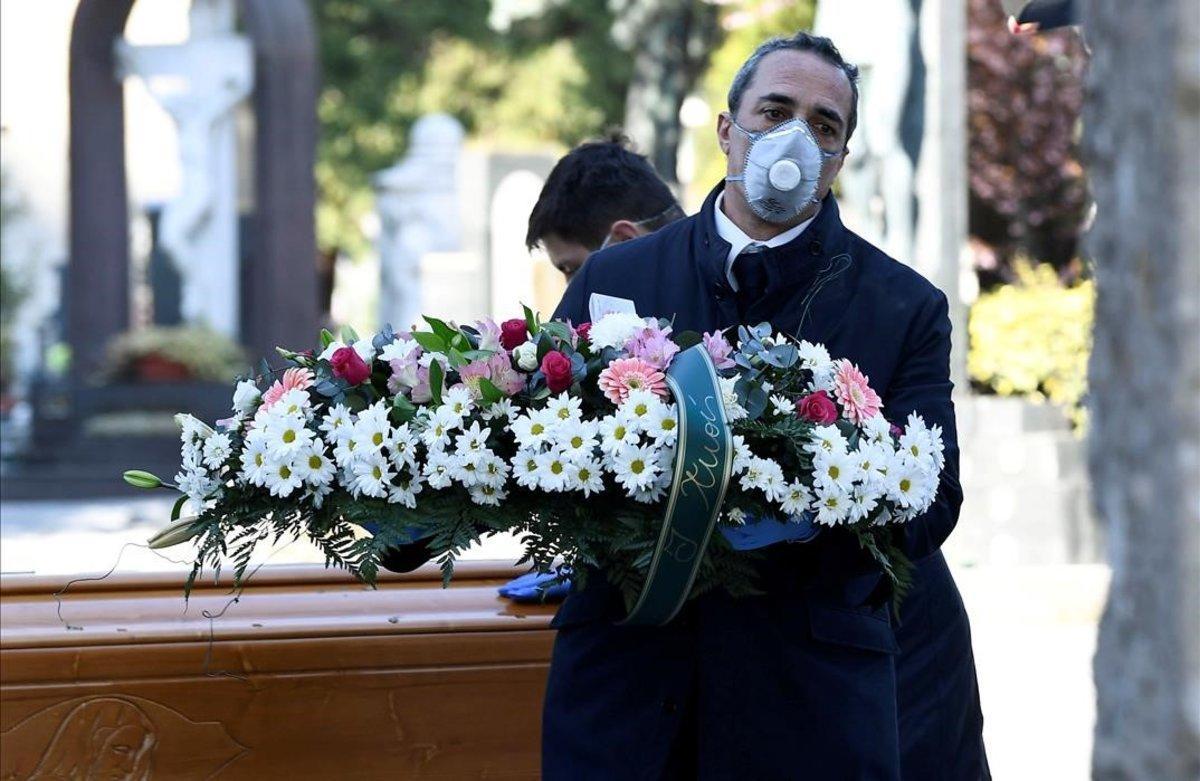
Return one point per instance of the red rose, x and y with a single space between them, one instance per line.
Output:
557 368
818 408
512 333
583 329
349 365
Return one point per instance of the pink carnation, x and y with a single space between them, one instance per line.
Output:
654 346
293 379
629 374
719 349
853 392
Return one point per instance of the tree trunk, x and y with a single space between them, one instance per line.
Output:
1141 136
670 41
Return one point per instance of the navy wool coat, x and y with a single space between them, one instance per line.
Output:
810 680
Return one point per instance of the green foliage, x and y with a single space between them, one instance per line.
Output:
207 354
12 293
552 79
1032 338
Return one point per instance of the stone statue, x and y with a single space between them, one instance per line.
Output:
418 204
200 83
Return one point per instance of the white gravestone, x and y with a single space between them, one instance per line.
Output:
418 204
199 83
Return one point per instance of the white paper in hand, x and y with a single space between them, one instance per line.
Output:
600 305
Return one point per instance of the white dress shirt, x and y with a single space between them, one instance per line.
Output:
738 240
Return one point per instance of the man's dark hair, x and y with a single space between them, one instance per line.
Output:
596 184
800 42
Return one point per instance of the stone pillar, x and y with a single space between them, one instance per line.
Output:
418 204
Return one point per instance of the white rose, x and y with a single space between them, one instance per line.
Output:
245 397
526 355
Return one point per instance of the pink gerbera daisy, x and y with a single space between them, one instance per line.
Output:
293 379
629 374
853 392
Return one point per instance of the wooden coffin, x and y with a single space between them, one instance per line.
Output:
309 675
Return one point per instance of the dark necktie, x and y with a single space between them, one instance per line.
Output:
750 271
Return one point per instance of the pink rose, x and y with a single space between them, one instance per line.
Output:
557 368
513 333
349 365
818 408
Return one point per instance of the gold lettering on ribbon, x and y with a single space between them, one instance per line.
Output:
701 472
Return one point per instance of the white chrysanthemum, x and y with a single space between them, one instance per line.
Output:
872 461
427 360
796 498
398 349
640 407
906 483
635 467
281 479
438 471
317 493
826 439
651 495
465 466
473 439
615 329
835 468
733 410
337 423
782 406
217 449
487 495
500 410
492 470
922 444
533 428
525 469
736 515
347 451
286 435
815 358
438 429
255 460
372 477
314 467
586 475
663 425
564 407
877 430
553 470
458 401
293 402
741 454
405 491
616 433
863 501
373 434
246 397
197 484
576 438
404 446
831 505
764 474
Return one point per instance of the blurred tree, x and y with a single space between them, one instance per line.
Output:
1028 193
1142 136
12 293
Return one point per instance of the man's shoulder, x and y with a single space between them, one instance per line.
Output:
640 254
891 277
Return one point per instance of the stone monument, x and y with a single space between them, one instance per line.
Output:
200 83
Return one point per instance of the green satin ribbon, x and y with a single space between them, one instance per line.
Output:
703 463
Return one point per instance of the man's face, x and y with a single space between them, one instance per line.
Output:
565 255
789 85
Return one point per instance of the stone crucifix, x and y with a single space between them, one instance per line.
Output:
200 83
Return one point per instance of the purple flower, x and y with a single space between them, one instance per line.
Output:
719 349
653 345
489 334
